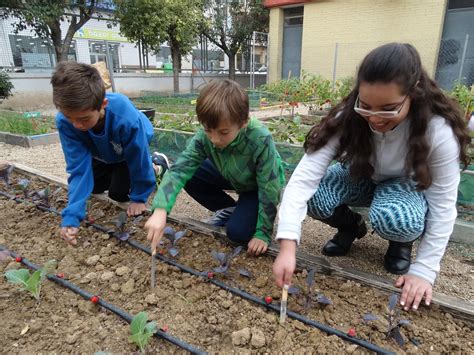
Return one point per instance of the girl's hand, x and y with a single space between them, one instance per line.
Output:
155 226
256 247
69 235
285 263
414 288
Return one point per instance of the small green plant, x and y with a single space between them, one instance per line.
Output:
141 330
5 86
463 96
31 282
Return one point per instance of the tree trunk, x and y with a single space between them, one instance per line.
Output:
65 48
57 44
231 57
175 55
140 54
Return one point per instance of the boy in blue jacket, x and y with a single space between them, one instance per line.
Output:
105 142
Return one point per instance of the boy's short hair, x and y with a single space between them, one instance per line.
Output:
77 87
222 100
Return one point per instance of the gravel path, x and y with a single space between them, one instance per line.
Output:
457 270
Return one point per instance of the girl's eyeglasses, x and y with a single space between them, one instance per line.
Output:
381 114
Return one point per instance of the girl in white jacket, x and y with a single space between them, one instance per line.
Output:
398 141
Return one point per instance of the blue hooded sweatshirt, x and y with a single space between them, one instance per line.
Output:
125 137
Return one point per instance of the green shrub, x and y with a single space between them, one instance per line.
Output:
462 94
5 85
310 90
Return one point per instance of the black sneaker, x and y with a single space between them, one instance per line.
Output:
220 217
160 164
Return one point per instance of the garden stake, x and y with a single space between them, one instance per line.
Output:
153 268
283 304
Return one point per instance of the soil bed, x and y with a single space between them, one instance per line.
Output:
194 310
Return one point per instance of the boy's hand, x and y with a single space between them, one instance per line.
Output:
69 235
285 263
155 226
256 247
135 208
414 288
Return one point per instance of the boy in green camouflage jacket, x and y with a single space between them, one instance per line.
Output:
231 152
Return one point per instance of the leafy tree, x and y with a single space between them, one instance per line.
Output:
230 23
45 18
182 19
152 22
141 22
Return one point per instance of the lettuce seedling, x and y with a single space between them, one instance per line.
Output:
141 330
225 259
31 282
393 319
5 173
170 234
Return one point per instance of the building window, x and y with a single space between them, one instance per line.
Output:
35 53
460 4
294 16
98 52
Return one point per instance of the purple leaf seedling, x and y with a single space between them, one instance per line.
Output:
245 273
310 298
41 197
393 319
120 222
173 237
89 218
225 259
22 185
5 173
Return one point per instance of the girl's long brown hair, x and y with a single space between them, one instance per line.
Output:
399 63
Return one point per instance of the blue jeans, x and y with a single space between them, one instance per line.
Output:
396 209
207 187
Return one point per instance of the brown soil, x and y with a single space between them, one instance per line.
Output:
194 310
457 268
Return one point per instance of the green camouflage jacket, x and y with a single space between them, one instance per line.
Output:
250 163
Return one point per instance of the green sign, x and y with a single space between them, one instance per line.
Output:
33 114
106 35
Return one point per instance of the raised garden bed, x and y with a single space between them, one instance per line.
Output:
195 309
172 142
28 129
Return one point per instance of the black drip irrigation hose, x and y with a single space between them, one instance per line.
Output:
325 328
114 309
38 206
261 302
